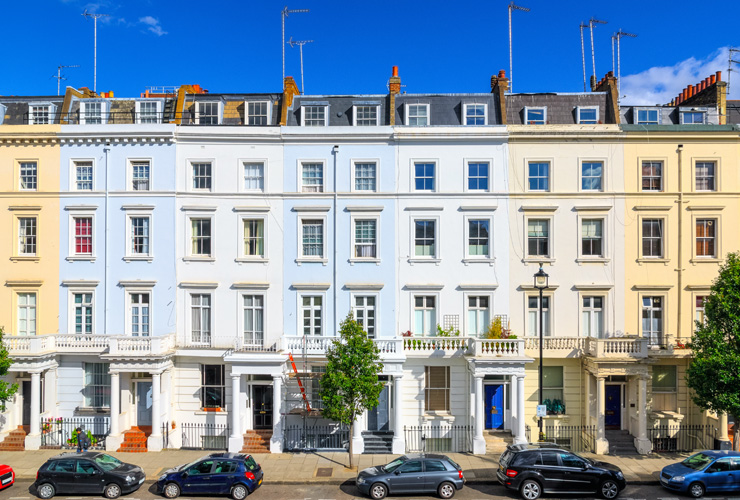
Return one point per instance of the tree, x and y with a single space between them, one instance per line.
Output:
350 385
714 372
6 390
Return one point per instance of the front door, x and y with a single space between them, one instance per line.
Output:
613 407
262 407
494 406
378 417
26 402
143 403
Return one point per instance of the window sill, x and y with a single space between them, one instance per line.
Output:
255 260
556 417
304 260
642 260
432 415
75 258
593 260
425 261
537 260
364 261
199 259
665 414
209 412
470 260
25 258
144 258
706 260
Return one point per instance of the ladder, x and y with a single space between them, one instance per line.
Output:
300 384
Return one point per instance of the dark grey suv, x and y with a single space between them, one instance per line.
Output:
412 474
533 469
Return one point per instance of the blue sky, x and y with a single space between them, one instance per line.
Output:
234 46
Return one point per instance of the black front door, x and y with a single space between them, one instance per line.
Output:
378 417
613 407
262 407
26 402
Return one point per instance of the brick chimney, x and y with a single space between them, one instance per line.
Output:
608 84
499 87
394 88
711 91
290 90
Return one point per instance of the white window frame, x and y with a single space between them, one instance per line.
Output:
322 310
129 253
324 180
242 323
130 174
448 389
73 162
717 218
435 178
604 312
550 319
353 179
408 117
105 383
376 309
353 241
662 162
268 106
649 258
466 167
466 228
468 105
71 308
242 255
129 306
550 176
550 257
699 310
50 110
702 111
189 322
412 320
717 177
354 114
19 244
4 109
20 163
646 108
664 318
302 258
466 307
35 308
72 254
674 392
527 109
242 175
189 232
84 103
437 233
579 119
158 112
191 177
604 233
303 114
581 162
219 112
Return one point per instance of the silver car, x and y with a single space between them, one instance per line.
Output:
412 474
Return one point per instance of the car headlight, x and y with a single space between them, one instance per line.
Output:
130 479
678 479
620 475
360 480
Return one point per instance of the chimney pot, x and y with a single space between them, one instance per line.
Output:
719 76
395 70
712 79
502 73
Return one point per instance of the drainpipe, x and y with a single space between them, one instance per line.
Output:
680 237
335 153
106 150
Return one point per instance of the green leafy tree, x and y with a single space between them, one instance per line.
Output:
714 372
350 385
6 390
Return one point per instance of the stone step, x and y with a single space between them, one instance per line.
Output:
135 439
15 440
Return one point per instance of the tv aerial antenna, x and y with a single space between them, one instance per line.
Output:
513 7
591 23
618 36
59 76
583 56
729 66
284 13
95 16
300 44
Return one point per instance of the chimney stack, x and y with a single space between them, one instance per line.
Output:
394 84
499 87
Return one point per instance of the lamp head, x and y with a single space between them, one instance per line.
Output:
541 279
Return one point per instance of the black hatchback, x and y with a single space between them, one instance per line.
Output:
87 473
533 469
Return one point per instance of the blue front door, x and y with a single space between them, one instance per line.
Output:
613 407
494 407
378 417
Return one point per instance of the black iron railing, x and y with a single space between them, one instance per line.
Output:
205 436
674 438
438 438
573 437
316 437
60 432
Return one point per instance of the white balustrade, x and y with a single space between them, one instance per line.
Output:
617 347
429 345
497 347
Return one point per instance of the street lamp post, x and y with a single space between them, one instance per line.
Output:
541 283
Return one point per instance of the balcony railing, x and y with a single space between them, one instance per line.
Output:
141 346
436 345
555 347
496 347
617 347
97 344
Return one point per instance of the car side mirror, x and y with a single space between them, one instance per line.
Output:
185 474
586 466
710 470
97 472
397 472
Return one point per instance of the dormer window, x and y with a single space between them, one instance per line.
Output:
692 117
208 113
258 113
648 117
314 115
93 113
365 115
148 112
40 113
476 114
535 116
587 115
417 115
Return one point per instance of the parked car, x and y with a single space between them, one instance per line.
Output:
231 474
533 469
87 473
707 471
7 476
412 474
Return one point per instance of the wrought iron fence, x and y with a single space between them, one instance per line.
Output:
438 438
673 438
60 432
205 436
316 437
528 433
165 435
573 437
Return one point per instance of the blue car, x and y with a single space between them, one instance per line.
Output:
230 474
707 471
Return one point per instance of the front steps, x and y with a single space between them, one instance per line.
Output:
378 442
15 440
497 440
621 443
257 441
134 439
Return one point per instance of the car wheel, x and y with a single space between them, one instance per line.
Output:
446 490
530 490
239 492
112 491
378 491
171 490
609 489
45 491
696 490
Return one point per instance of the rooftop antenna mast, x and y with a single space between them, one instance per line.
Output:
729 66
300 44
618 35
512 6
95 16
59 76
591 23
583 56
284 13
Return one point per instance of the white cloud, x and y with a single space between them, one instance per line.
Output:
152 25
660 84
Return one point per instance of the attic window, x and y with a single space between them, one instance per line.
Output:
208 113
314 116
588 115
535 116
38 113
648 117
475 114
258 113
692 117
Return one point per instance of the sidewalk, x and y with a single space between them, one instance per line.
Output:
330 467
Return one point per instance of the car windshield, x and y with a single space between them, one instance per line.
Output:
187 466
251 464
587 460
698 461
107 462
454 464
393 465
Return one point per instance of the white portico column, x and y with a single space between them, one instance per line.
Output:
642 443
154 443
722 437
33 439
521 432
276 441
513 404
358 444
602 445
479 442
115 403
399 440
236 439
